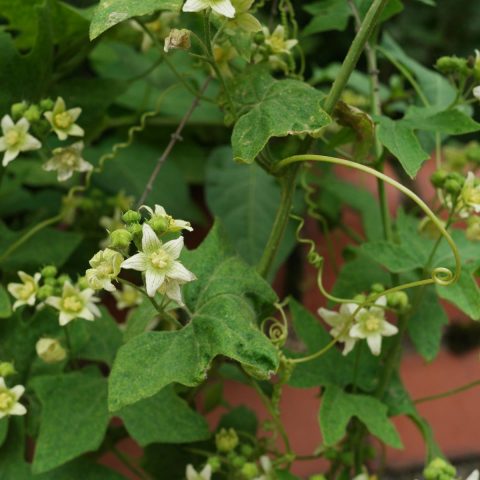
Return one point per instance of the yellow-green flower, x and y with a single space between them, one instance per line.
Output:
16 139
9 404
222 7
469 198
50 350
277 41
74 303
339 321
105 268
63 121
25 293
243 19
160 221
67 160
127 297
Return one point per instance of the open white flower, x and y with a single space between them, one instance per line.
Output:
161 221
277 41
469 198
372 326
476 92
340 322
172 290
158 261
16 139
9 404
475 475
105 268
222 7
205 474
67 160
75 303
63 121
25 293
127 297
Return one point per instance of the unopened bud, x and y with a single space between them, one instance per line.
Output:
120 238
452 65
452 186
6 369
45 291
49 271
215 463
377 288
397 300
438 178
135 229
32 114
159 224
46 104
131 216
82 283
249 470
178 39
226 440
50 350
18 109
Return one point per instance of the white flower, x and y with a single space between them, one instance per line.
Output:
277 42
105 268
25 293
74 303
222 7
475 475
469 198
171 289
9 404
205 474
161 221
266 465
127 297
476 92
62 120
372 326
67 160
158 261
16 139
340 321
50 350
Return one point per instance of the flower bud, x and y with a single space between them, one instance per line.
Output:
472 151
135 229
318 476
82 283
130 216
215 463
237 461
249 470
360 298
452 65
452 186
62 279
18 109
45 291
178 39
120 238
247 450
438 178
159 224
398 300
50 350
377 288
6 369
226 440
32 114
52 282
46 104
49 271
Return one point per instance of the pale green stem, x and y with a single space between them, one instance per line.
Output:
448 393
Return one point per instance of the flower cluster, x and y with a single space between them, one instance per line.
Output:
353 323
158 261
72 300
44 118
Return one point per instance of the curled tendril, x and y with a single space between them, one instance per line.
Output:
277 330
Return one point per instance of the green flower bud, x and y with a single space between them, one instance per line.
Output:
237 461
62 279
438 178
360 298
18 109
46 104
317 476
472 152
249 470
130 216
82 282
452 186
45 291
135 229
32 114
6 369
52 282
215 463
159 224
397 300
247 450
120 238
452 65
226 440
377 288
49 271
430 473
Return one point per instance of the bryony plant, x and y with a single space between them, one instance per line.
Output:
120 120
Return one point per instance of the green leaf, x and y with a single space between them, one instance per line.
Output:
74 417
426 324
465 294
164 418
396 258
80 469
338 408
327 15
5 306
245 198
12 453
3 430
111 12
225 303
286 107
138 320
403 144
98 340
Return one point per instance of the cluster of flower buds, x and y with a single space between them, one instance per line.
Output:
353 322
162 272
44 118
72 300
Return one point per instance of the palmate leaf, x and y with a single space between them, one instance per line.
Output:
111 12
224 301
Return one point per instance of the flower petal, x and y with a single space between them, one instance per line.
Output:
375 343
150 241
356 331
223 7
9 155
76 131
329 316
195 5
136 262
174 292
153 280
7 123
18 409
178 272
388 329
18 391
174 247
30 143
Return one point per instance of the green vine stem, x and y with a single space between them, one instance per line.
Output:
448 393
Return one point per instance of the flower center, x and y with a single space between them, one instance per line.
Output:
105 269
372 323
130 297
7 400
277 44
160 259
26 291
12 137
72 304
69 159
63 120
